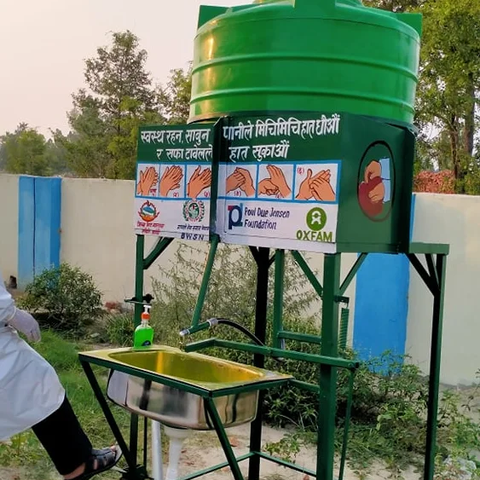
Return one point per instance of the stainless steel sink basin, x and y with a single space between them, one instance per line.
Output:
169 385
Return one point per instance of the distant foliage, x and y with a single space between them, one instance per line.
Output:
435 182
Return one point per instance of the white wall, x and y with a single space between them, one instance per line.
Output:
452 219
98 236
8 225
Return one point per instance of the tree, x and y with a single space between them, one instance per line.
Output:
106 115
450 78
397 6
447 95
175 97
25 152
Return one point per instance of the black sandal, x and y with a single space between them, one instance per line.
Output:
105 459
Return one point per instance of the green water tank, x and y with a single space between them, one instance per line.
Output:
305 56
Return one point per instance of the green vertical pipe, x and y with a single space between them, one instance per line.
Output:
278 297
435 362
263 263
328 374
224 441
205 280
140 250
139 279
344 317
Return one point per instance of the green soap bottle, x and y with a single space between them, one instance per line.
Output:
143 336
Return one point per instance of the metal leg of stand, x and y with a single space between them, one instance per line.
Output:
222 436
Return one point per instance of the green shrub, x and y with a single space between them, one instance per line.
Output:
119 329
64 298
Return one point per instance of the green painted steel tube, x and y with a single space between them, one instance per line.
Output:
308 272
284 463
206 471
435 364
130 457
263 264
205 280
346 427
222 436
351 274
140 249
300 337
309 387
273 352
278 297
328 375
138 308
157 250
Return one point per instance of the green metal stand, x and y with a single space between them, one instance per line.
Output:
328 374
332 340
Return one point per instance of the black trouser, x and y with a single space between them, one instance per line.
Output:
64 440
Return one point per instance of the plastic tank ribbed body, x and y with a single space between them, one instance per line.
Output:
305 55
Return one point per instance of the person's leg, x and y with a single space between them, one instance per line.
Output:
64 440
69 447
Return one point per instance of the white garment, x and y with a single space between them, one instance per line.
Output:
30 390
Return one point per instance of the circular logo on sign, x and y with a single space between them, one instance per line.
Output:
148 212
376 182
193 211
316 219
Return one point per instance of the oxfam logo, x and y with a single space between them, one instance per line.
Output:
316 219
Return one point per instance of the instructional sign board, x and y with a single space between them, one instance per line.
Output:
320 182
173 181
279 182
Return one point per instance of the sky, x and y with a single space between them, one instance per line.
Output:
45 44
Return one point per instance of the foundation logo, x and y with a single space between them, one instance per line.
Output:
193 211
235 216
316 219
148 212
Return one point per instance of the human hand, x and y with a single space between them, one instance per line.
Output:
374 169
277 177
305 192
322 190
247 185
199 181
148 179
170 180
266 187
25 323
377 194
234 181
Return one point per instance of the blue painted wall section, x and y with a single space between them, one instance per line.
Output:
26 230
381 304
48 197
39 226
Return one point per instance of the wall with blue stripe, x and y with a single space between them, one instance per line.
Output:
38 226
381 304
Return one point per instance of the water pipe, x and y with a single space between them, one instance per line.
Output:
213 322
157 457
177 436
